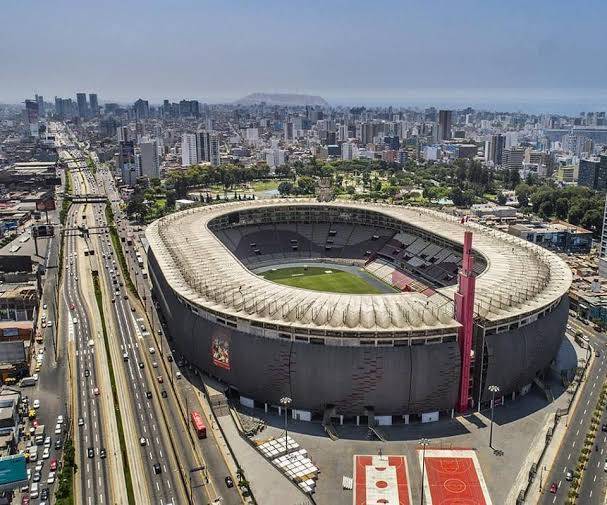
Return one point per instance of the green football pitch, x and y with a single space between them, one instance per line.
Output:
321 279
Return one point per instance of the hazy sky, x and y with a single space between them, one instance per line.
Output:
379 51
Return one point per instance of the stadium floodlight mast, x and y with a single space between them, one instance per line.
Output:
493 389
285 401
423 442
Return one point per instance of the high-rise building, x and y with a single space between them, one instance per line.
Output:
122 134
214 156
82 105
150 164
127 164
347 151
141 109
342 133
40 102
513 158
288 127
189 154
588 173
94 104
445 119
32 112
494 150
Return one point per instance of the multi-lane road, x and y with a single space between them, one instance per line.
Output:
594 480
149 405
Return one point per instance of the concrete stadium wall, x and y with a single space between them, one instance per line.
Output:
516 356
392 380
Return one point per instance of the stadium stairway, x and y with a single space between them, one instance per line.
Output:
545 389
327 423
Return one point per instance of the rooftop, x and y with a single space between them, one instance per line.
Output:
521 278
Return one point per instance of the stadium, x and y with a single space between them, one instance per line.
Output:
389 313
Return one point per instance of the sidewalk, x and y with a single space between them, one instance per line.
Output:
268 485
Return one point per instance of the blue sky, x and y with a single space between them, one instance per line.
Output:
502 52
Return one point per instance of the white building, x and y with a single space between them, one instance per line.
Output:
188 150
275 158
347 151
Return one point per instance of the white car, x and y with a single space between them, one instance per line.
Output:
58 429
152 350
38 467
47 442
51 478
36 404
46 453
59 419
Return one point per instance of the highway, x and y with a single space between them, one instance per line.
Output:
595 478
206 486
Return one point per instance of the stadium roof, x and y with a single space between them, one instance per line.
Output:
521 278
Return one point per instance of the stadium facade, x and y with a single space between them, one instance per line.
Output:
395 354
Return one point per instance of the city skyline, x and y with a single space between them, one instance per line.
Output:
390 53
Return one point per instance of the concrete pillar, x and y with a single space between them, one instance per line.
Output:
279 410
452 413
341 420
406 418
513 395
265 407
357 420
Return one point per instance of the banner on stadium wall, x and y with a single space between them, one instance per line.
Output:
220 351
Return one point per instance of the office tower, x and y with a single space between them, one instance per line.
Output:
94 104
127 164
275 158
364 133
402 157
189 108
444 124
31 111
513 158
511 139
214 156
122 134
40 102
150 164
82 105
392 142
288 131
141 109
343 133
189 154
347 151
588 172
494 150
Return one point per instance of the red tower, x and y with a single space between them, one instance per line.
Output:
464 314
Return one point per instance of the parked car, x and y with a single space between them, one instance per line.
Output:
554 487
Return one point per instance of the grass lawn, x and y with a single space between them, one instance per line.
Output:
265 185
317 279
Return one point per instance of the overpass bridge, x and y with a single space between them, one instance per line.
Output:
87 198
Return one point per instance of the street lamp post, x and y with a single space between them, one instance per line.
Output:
285 401
493 389
423 442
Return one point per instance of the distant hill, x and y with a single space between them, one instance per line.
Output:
282 99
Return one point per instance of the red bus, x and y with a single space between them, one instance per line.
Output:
198 424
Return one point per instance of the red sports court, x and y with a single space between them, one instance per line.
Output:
381 480
454 477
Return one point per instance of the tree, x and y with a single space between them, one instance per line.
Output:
593 220
546 209
285 188
561 208
305 185
522 192
502 199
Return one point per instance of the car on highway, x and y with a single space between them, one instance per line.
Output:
58 444
154 364
58 429
96 391
148 394
102 453
604 427
46 453
178 375
157 469
44 494
169 357
36 404
160 379
229 481
36 477
554 488
152 350
143 442
53 464
25 499
59 419
87 373
80 421
569 475
163 393
90 452
141 365
51 478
